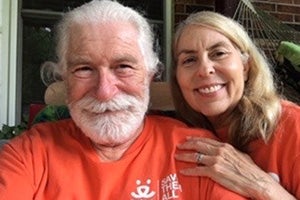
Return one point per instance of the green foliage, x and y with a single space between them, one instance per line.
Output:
9 132
47 114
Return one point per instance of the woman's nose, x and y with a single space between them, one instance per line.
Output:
205 67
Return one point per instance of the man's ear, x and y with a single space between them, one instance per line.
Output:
151 76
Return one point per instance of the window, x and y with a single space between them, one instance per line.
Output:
39 18
8 61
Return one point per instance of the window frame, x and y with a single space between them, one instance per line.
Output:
9 74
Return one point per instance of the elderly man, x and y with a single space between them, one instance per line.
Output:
108 149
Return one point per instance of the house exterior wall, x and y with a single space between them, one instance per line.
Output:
287 11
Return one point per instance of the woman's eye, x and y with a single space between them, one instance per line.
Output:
188 60
83 72
219 54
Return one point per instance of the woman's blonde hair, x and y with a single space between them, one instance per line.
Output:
258 110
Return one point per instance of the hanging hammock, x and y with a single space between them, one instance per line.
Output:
274 37
264 29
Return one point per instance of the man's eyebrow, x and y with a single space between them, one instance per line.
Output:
77 59
125 58
80 59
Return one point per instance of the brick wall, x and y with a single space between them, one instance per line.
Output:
182 8
287 11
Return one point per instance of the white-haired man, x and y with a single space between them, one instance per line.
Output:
109 149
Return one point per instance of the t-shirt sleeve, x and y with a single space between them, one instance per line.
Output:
17 180
295 178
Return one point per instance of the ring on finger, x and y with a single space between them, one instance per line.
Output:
199 158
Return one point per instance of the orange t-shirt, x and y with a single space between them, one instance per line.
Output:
280 157
56 161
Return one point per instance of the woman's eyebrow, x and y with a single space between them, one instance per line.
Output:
218 44
185 51
213 46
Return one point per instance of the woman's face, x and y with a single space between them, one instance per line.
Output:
210 71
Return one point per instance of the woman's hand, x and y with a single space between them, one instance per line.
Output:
229 167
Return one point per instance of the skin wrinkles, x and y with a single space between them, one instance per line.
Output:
214 46
210 71
105 63
83 54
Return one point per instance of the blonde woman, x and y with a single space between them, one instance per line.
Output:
222 82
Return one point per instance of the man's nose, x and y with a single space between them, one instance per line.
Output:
107 86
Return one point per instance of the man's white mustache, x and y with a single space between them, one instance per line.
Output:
119 102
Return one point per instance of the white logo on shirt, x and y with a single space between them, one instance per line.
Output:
143 191
170 187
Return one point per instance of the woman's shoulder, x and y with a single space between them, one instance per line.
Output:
290 109
289 121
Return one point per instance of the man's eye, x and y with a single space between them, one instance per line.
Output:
125 66
124 69
83 72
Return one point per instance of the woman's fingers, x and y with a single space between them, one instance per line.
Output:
194 157
194 171
220 162
202 145
229 167
204 140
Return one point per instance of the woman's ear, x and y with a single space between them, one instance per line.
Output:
246 65
245 57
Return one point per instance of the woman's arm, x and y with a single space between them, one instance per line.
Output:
230 168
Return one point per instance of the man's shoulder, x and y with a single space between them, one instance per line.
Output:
174 126
57 125
60 128
160 119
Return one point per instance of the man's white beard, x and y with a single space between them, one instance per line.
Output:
113 122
